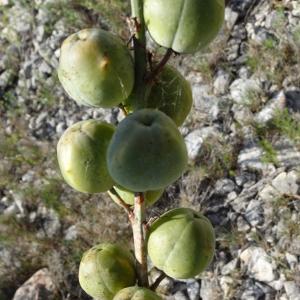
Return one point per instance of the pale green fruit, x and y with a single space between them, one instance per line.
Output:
136 293
96 68
147 152
184 25
181 243
81 153
150 196
171 94
105 269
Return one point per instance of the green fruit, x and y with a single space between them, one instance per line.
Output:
181 243
150 196
95 68
184 25
147 152
136 293
105 269
172 95
81 153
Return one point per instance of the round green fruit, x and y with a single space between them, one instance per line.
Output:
105 269
81 153
172 95
150 196
184 25
181 243
136 293
96 68
147 152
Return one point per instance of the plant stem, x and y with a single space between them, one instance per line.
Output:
140 52
158 280
160 66
139 240
121 202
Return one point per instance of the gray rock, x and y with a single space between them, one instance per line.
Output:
203 97
224 187
221 82
255 213
259 265
193 289
39 286
242 114
241 89
286 183
269 111
195 139
210 290
71 233
230 17
227 284
292 290
229 267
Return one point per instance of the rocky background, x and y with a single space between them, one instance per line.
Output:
243 138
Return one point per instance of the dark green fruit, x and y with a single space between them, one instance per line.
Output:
81 153
96 68
181 243
150 196
147 152
136 293
184 25
172 95
105 269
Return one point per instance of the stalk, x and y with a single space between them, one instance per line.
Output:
140 52
140 62
137 221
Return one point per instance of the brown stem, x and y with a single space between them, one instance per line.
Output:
157 282
122 107
121 202
137 221
160 66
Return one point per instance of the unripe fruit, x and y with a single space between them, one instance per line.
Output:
105 269
136 293
96 68
147 152
172 95
81 153
184 25
150 196
181 243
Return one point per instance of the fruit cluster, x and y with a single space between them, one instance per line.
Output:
145 152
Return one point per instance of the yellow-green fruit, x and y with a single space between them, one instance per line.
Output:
184 25
172 95
136 293
105 269
150 196
96 68
81 153
181 243
147 152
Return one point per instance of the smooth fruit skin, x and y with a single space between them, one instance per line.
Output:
184 25
150 196
136 293
147 152
105 269
96 68
181 243
81 154
171 94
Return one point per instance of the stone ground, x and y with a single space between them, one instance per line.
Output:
243 139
